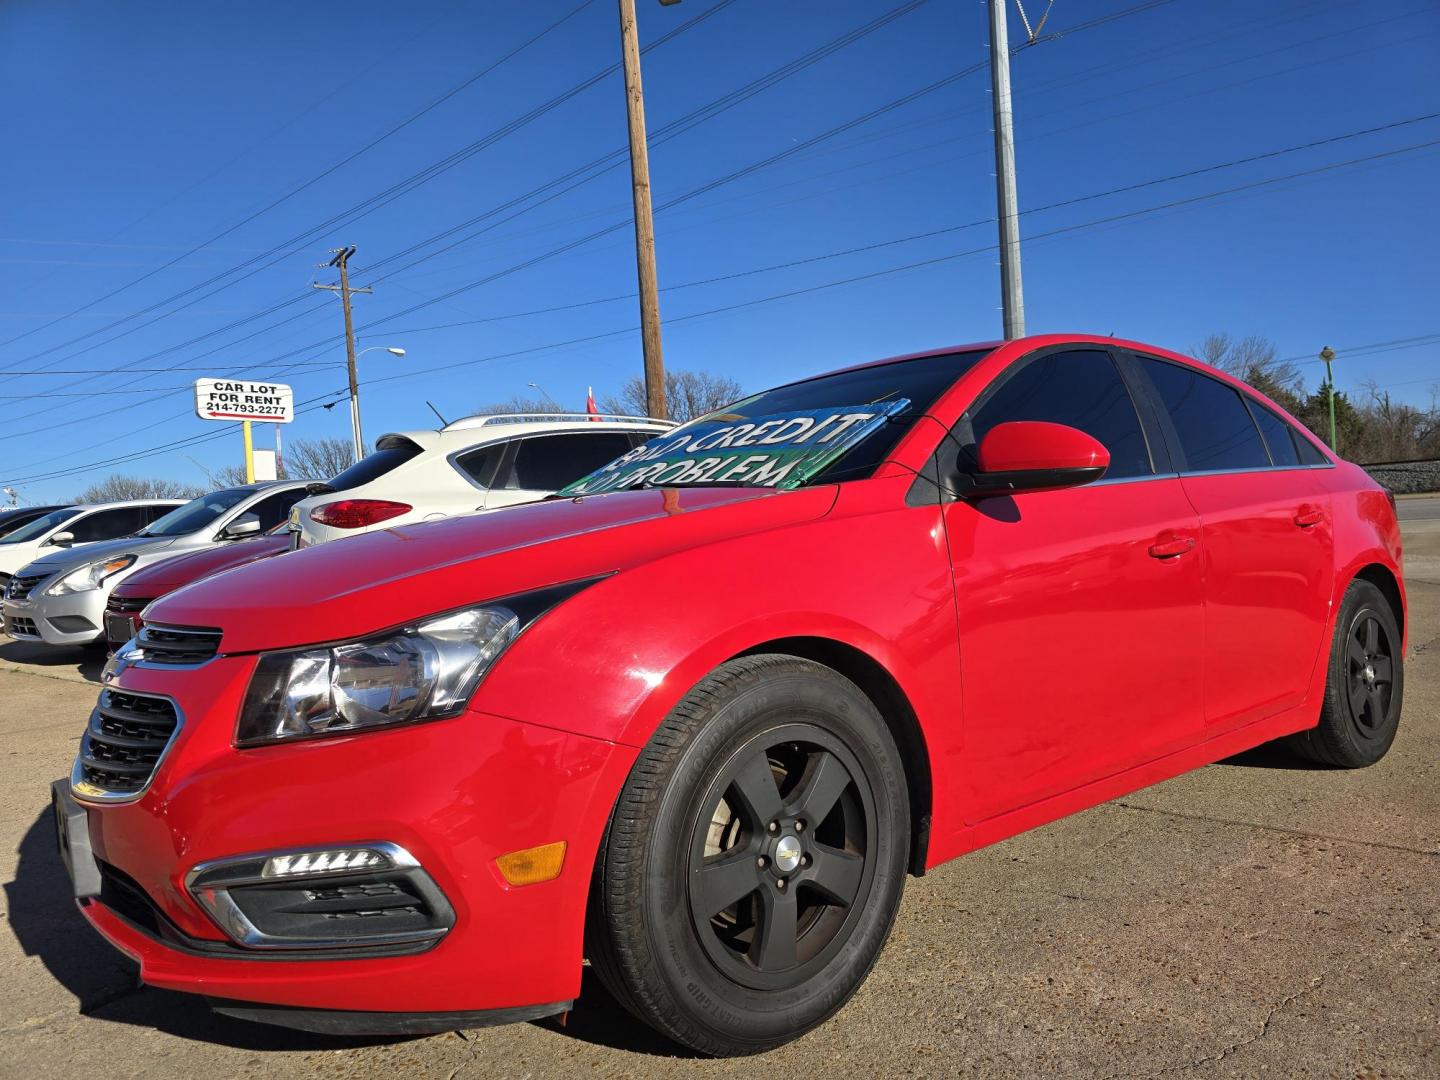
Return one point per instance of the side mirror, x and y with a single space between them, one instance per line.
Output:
62 539
244 525
1032 455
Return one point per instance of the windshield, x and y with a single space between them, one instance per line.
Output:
833 427
40 526
197 513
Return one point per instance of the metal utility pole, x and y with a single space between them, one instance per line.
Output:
1327 354
341 261
1012 293
644 219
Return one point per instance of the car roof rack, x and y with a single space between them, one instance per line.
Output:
466 422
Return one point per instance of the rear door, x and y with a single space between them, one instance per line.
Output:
1267 544
107 524
1078 608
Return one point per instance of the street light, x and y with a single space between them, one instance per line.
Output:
546 393
355 398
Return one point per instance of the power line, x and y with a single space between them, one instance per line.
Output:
790 294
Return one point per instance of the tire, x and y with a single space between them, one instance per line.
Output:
1364 685
694 891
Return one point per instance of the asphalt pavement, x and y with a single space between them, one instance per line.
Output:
1259 916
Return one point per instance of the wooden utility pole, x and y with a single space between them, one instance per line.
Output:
341 261
644 219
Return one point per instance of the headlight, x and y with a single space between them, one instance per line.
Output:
90 576
422 672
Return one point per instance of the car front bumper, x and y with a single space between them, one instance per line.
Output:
73 619
456 794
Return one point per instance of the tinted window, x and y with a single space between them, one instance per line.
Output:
1081 389
480 464
274 509
1309 453
549 462
392 453
107 524
40 526
197 513
13 519
1277 435
1214 426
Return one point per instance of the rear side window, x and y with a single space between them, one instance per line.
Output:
1212 422
107 524
1081 389
1278 438
1309 454
480 464
549 462
389 455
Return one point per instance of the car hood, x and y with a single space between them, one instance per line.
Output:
348 588
68 559
173 571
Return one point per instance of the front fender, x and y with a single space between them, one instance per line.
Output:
611 662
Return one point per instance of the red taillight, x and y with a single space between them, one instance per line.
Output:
357 513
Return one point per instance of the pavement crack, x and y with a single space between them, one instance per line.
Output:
1280 829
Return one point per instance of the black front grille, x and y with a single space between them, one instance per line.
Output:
17 626
178 644
19 587
125 605
123 744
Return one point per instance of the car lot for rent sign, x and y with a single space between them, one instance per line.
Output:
236 399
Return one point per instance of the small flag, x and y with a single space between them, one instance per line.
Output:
590 403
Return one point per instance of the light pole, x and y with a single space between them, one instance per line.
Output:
546 393
1327 354
355 396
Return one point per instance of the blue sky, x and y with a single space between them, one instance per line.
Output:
138 132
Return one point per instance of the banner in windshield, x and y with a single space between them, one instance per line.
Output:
778 450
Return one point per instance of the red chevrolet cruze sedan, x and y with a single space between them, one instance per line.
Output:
696 718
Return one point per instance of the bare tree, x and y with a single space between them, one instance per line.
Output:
317 459
688 394
116 488
1255 360
521 405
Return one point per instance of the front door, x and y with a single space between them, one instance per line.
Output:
1080 610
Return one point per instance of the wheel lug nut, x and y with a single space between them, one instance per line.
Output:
800 825
780 884
774 826
804 860
760 862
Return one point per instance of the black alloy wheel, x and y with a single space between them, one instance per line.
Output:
1370 662
1364 684
754 862
780 864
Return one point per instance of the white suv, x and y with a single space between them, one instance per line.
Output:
478 463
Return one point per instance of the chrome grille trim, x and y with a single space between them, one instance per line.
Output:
124 744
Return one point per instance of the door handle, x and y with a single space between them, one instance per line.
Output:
1171 545
1309 516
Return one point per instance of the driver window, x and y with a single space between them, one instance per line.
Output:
1081 389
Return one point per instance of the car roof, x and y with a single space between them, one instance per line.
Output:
475 430
127 502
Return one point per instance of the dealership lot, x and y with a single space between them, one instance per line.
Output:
1255 915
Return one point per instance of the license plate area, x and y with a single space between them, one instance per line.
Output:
72 836
120 628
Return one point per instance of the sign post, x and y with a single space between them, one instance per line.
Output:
237 399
